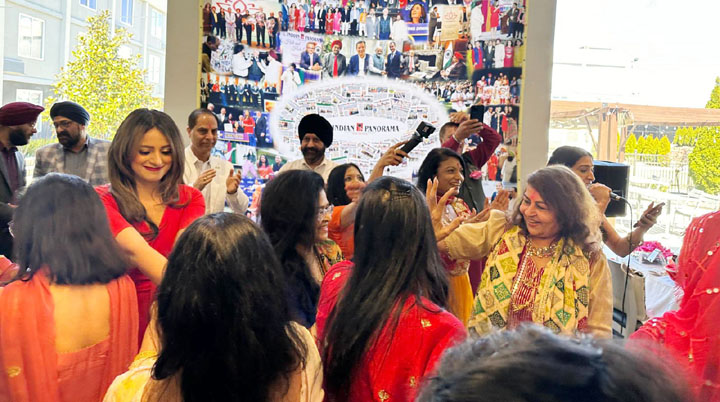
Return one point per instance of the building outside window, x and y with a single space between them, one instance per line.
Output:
157 22
31 32
33 96
153 70
89 4
127 12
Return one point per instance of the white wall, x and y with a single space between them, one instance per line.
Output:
182 60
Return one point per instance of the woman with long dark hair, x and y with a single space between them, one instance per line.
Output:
381 323
68 320
295 214
448 168
224 331
146 203
580 162
344 187
544 262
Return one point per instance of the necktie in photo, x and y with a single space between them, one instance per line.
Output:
335 68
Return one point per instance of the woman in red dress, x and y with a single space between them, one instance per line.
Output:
692 333
146 203
381 323
248 123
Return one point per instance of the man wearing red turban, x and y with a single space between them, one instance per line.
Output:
335 62
17 125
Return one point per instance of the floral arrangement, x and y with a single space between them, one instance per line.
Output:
650 246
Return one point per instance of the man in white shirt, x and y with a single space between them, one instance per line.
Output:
213 176
316 135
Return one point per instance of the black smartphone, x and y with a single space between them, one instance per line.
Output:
477 112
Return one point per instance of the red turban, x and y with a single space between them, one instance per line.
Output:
18 113
336 42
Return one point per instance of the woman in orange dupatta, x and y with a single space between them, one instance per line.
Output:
68 320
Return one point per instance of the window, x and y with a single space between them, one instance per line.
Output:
33 96
156 23
127 12
29 95
30 37
89 4
154 67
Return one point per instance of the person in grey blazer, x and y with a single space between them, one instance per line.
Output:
17 125
76 153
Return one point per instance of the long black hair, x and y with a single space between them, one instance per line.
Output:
224 326
61 223
428 168
336 184
567 155
396 258
288 214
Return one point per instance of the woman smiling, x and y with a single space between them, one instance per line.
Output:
147 205
544 262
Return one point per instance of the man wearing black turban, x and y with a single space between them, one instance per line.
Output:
75 153
316 135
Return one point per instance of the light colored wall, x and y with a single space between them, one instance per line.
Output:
182 61
537 80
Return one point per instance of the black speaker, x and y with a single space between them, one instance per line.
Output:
614 175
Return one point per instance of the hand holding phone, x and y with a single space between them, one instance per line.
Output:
649 217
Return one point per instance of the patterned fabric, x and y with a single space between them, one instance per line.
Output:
329 254
692 333
562 300
395 364
51 158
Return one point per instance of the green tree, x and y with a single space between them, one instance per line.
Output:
704 160
107 85
714 102
631 144
641 148
664 146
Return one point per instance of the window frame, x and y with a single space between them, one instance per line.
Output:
20 38
131 7
156 23
88 3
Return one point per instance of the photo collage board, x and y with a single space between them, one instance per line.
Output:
460 53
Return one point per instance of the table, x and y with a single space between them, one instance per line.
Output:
661 292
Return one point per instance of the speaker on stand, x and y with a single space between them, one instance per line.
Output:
616 176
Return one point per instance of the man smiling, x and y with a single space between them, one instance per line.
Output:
76 153
316 135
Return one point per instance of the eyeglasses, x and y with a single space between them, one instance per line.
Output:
63 124
323 212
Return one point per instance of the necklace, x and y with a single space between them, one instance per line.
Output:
542 252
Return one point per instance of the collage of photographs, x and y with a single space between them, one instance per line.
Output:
462 53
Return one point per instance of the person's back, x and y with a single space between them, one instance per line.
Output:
68 324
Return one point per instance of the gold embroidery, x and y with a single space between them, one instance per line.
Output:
383 395
13 371
337 275
425 323
413 382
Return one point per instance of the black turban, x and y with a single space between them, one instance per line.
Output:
71 110
316 124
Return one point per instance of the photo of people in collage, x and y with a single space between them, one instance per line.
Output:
462 52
